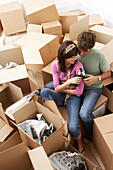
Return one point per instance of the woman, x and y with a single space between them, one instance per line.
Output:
68 89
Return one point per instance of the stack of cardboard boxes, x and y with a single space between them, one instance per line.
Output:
36 51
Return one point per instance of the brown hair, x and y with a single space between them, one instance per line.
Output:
86 40
62 56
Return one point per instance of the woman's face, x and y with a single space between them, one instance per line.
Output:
70 60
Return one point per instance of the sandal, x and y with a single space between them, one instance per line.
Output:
66 136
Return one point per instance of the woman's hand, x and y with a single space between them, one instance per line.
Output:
72 87
75 80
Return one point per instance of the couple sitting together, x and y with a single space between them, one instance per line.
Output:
78 94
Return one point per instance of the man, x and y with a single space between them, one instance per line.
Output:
97 68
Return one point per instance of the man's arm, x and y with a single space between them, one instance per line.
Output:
92 79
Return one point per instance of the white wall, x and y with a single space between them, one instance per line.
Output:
103 7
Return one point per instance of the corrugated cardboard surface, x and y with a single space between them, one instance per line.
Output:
103 137
40 11
103 34
12 18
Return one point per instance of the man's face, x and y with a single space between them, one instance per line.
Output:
81 52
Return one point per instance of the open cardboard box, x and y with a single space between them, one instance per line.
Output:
12 18
29 111
20 158
103 139
9 94
5 129
69 148
108 91
40 49
13 140
40 11
94 19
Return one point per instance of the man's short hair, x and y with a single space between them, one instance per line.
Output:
86 40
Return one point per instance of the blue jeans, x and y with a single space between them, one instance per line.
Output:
89 98
72 104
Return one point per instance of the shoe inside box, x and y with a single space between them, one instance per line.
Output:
110 87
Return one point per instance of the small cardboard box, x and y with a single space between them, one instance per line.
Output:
12 18
52 27
38 44
103 139
103 34
69 148
29 111
94 19
108 91
20 158
5 129
17 75
9 94
40 11
34 28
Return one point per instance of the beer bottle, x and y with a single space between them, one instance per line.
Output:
84 75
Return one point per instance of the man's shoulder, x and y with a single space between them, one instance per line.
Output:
97 51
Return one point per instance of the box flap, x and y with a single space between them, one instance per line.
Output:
108 51
102 99
99 45
42 162
8 75
31 55
47 68
5 130
15 158
79 26
105 124
2 115
102 29
109 140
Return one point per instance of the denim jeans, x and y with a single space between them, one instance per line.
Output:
72 104
89 99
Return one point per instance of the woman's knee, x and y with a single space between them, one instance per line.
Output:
74 130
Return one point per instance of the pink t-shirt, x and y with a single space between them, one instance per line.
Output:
61 77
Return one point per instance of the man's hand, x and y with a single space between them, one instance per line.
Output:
91 79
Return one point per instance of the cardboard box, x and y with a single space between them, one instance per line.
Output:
42 48
53 28
5 129
17 75
11 141
67 19
78 12
108 91
103 139
94 19
99 45
29 111
34 28
12 18
69 148
103 34
20 158
9 94
40 11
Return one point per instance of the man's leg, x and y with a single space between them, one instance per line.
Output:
90 97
